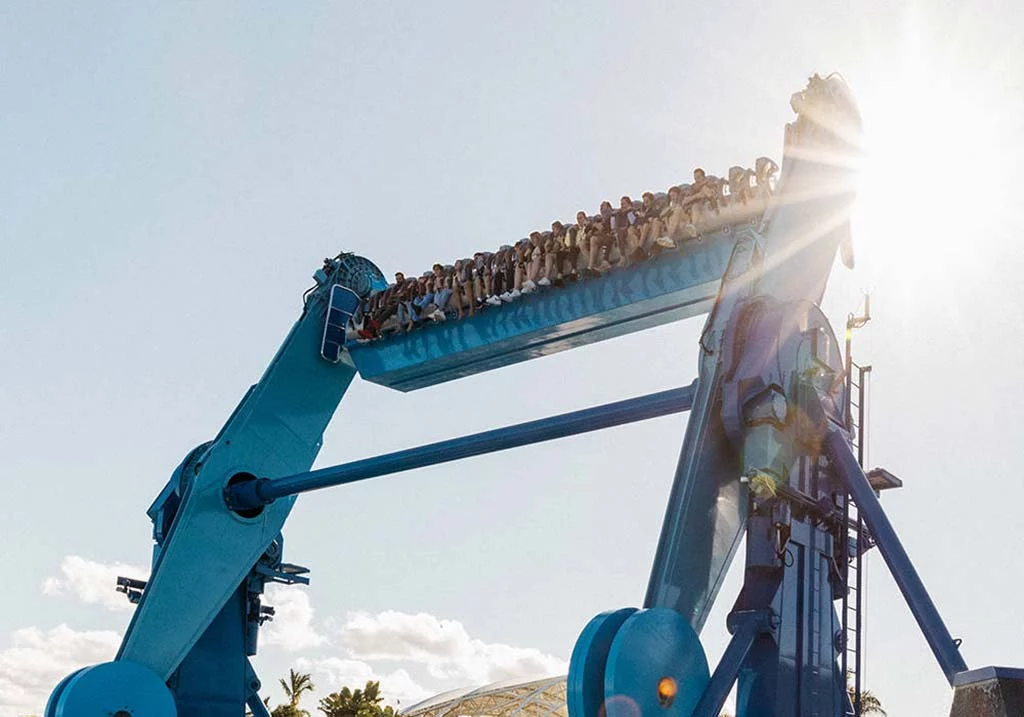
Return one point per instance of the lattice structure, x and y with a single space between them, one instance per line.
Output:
538 698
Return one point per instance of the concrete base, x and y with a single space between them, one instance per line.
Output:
988 692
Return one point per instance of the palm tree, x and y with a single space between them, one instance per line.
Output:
294 687
869 703
357 703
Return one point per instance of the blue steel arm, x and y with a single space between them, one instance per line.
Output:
790 260
252 494
943 646
208 550
707 506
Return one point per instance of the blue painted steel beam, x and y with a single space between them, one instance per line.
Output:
943 646
250 495
751 624
677 285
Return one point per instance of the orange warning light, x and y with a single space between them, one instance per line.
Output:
667 689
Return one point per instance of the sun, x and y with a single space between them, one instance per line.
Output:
930 177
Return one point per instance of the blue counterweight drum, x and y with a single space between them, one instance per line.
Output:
630 662
585 683
112 689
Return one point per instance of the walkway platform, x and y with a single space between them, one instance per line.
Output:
676 285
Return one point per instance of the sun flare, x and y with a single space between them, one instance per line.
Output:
931 163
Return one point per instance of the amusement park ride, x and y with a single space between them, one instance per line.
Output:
767 455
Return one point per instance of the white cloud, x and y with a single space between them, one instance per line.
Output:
392 635
92 582
292 628
37 660
444 646
440 651
329 674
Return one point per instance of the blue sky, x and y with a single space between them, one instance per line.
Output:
174 173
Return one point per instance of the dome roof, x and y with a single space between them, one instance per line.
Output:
537 698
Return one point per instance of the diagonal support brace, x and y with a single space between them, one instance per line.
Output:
944 647
255 493
750 624
252 700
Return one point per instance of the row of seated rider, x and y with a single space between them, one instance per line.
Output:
588 248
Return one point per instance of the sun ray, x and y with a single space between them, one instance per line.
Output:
932 171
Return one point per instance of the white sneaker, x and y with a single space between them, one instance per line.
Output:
529 286
493 301
438 315
666 242
544 281
515 294
507 297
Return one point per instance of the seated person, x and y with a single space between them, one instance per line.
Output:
547 273
699 201
388 295
563 245
381 307
583 228
578 255
653 228
433 288
627 232
503 266
765 171
461 281
740 185
404 296
601 241
442 288
520 259
553 253
358 322
423 298
718 197
530 252
742 200
481 271
676 218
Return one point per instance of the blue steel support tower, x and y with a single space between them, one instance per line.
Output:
766 455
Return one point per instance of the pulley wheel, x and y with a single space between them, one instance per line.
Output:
585 684
656 667
112 689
